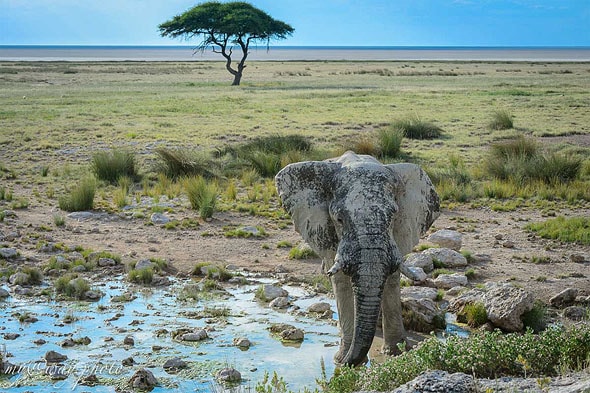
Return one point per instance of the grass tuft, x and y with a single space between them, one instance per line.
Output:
177 163
415 128
202 195
110 166
569 230
81 197
501 120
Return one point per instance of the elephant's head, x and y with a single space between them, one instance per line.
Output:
361 217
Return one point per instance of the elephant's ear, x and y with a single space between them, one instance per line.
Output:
305 190
418 205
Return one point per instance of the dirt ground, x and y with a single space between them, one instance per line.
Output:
501 247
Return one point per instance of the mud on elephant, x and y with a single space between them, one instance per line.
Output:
361 217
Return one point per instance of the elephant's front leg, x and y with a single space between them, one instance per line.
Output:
345 304
393 324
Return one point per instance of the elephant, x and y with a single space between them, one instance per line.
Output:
361 217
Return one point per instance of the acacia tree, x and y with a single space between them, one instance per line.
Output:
223 26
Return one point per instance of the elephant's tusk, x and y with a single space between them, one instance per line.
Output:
336 267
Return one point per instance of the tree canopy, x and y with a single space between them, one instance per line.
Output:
222 26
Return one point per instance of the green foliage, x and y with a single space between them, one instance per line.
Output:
535 319
81 197
72 286
302 253
483 354
202 195
110 166
242 232
501 120
35 275
474 314
141 276
211 271
571 230
59 220
520 160
413 127
177 163
390 141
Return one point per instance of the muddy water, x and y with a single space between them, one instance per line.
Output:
107 323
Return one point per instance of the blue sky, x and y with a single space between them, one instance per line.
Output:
316 22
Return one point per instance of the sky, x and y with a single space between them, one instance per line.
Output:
316 22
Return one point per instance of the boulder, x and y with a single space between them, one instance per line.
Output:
565 298
144 264
270 292
174 364
421 260
143 380
447 238
293 335
19 278
440 382
422 315
8 253
4 293
106 262
471 296
128 340
54 357
448 281
575 313
505 305
229 375
280 302
159 219
413 273
418 293
319 308
449 258
199 335
242 343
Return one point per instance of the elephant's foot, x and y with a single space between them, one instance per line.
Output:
395 348
339 356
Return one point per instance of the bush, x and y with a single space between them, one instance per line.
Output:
415 128
202 195
177 163
501 120
390 141
571 230
109 166
81 197
474 314
141 276
72 286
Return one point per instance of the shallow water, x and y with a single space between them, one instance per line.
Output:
158 309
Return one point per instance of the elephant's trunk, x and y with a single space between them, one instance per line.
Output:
368 282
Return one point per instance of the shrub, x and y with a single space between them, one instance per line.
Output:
415 128
35 275
474 314
211 271
574 229
535 319
110 166
72 286
177 163
501 120
304 252
141 276
390 141
202 195
81 197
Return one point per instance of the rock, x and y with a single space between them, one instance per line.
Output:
128 340
4 293
54 357
253 231
280 302
413 273
89 380
18 290
40 341
159 219
418 293
565 298
10 336
19 278
422 315
106 262
56 373
575 313
127 362
440 382
447 239
319 308
194 336
92 295
79 269
449 258
508 244
421 260
143 380
448 281
505 305
271 292
577 258
70 342
8 253
456 290
174 364
469 297
242 343
294 335
144 264
229 375
80 216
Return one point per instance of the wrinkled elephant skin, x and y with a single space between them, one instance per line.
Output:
361 217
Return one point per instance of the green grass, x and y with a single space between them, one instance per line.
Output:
141 276
72 286
182 162
413 127
501 120
474 314
111 165
81 196
483 355
569 230
202 195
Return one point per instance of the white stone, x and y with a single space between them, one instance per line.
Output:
144 264
280 302
195 336
447 238
421 260
505 305
320 307
418 293
8 253
413 273
271 292
449 258
448 281
159 219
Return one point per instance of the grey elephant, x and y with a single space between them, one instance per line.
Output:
361 217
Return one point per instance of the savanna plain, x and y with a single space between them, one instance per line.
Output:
507 145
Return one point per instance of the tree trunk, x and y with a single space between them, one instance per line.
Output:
237 78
